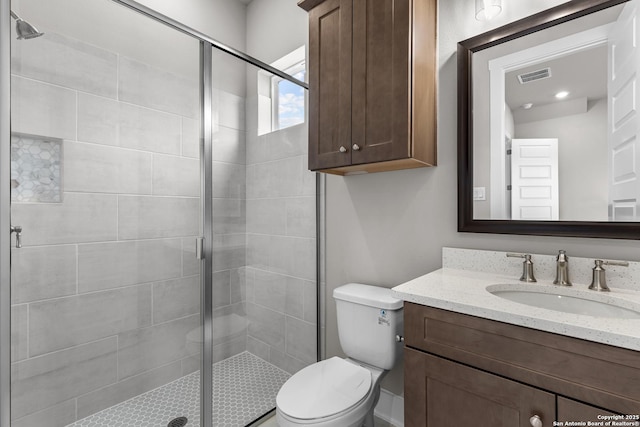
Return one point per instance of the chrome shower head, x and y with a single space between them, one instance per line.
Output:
24 30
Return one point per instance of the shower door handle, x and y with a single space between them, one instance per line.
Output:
18 230
199 247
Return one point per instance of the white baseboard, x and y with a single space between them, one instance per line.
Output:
390 408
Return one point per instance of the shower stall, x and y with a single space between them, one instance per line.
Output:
160 265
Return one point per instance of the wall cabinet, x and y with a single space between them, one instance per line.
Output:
372 84
463 370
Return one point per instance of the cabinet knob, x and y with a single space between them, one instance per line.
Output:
356 147
342 149
535 421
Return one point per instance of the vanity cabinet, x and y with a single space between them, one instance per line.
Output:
465 370
457 395
570 410
372 87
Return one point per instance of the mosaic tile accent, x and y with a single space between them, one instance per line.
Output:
244 388
36 164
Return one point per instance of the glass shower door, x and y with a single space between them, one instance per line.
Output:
105 179
264 232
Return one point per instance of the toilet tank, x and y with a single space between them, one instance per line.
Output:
369 318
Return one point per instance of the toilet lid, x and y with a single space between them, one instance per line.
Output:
324 389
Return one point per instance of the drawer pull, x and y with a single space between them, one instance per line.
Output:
342 149
535 421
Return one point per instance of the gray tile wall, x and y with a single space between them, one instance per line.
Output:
229 207
105 291
281 249
265 227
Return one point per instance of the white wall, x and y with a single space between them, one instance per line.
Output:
224 20
390 227
275 28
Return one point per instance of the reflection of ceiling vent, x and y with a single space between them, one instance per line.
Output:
545 73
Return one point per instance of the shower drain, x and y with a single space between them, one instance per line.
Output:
178 422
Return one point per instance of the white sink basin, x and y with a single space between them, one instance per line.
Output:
568 300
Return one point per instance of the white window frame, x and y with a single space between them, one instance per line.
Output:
275 92
268 103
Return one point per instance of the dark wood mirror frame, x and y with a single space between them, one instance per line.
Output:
548 18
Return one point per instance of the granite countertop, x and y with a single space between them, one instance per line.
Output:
465 292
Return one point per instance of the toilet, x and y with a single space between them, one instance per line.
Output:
343 392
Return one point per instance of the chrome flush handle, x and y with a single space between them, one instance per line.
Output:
18 230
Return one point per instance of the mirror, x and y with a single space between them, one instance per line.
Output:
548 127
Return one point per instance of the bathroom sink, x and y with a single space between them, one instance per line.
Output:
568 300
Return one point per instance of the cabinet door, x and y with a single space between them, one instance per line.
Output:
381 80
570 410
441 393
330 84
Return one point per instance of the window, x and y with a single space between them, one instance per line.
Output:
281 103
288 98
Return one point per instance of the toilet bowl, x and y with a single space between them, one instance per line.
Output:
339 392
332 393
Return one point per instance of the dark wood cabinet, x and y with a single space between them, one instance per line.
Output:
460 368
329 71
570 410
372 92
449 394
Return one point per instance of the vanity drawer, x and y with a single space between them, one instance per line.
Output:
570 410
444 393
602 375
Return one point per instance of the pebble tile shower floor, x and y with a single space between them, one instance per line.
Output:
244 388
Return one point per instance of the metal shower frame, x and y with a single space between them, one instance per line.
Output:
206 165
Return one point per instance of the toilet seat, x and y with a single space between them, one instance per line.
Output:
324 390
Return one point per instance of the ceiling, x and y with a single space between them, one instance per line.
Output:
582 74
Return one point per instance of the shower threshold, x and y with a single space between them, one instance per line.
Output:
244 388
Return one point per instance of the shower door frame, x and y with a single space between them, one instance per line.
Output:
206 167
5 213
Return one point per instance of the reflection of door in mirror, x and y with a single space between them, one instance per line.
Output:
624 148
524 77
575 64
534 179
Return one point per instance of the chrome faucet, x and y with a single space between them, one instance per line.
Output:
562 269
598 282
527 267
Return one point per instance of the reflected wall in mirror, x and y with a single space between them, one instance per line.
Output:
548 124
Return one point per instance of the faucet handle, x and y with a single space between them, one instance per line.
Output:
599 282
527 267
618 263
